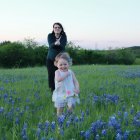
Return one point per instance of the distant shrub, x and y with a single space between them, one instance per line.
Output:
17 55
11 54
29 53
120 56
137 61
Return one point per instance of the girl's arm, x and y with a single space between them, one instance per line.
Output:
60 78
76 83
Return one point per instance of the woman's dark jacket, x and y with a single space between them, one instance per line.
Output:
55 49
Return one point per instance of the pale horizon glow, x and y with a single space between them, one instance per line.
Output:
94 24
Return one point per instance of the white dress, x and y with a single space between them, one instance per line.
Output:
64 91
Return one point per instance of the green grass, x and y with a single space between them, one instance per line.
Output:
26 98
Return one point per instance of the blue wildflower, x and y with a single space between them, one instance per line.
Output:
5 96
68 123
82 133
38 132
40 125
125 115
61 120
97 137
126 135
47 124
87 112
25 125
104 132
53 125
113 122
23 132
1 88
87 134
24 137
51 139
136 120
1 109
61 132
17 120
118 136
132 111
76 119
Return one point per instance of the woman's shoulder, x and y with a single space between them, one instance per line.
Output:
64 35
50 34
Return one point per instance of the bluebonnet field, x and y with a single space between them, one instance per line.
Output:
109 108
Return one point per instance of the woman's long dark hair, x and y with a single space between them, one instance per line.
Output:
59 24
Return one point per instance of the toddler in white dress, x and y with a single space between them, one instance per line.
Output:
66 85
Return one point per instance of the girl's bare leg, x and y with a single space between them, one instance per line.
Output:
70 109
60 111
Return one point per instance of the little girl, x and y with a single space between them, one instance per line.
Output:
66 85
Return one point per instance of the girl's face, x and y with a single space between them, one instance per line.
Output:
63 64
57 29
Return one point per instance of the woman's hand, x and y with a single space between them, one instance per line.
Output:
57 42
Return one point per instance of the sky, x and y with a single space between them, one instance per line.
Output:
91 24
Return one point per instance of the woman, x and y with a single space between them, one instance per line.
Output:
57 41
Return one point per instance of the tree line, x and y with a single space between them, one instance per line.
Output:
30 54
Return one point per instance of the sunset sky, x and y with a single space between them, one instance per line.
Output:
96 24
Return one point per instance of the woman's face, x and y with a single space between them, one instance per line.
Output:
57 29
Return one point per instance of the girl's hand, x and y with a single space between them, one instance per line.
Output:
76 91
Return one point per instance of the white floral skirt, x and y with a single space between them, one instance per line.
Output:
65 101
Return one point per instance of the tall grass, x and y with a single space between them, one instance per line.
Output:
109 108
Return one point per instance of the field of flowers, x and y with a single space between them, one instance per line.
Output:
109 106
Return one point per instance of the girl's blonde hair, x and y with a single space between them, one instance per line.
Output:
63 55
